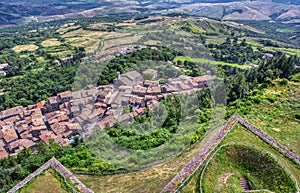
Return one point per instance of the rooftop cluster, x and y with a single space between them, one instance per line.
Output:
70 113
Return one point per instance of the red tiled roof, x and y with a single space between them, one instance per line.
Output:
109 119
3 153
65 94
46 136
202 78
9 134
153 90
40 105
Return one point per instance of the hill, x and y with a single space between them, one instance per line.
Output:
242 10
20 11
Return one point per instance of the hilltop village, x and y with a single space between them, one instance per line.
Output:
70 113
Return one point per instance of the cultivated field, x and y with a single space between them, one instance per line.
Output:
51 42
85 38
27 47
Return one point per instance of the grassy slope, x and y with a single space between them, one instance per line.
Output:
45 183
241 161
150 180
241 134
276 118
277 123
203 60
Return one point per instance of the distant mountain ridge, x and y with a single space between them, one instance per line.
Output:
23 11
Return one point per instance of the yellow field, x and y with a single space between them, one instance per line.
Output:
152 42
99 25
27 47
125 24
64 28
85 38
121 41
51 42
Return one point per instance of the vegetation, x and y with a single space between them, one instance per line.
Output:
245 162
47 182
55 66
14 169
269 109
182 59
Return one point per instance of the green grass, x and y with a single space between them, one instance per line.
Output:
274 113
47 182
285 30
239 134
203 61
275 118
290 51
150 180
237 161
196 29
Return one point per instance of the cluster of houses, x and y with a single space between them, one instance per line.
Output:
70 113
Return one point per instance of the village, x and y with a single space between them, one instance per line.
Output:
70 113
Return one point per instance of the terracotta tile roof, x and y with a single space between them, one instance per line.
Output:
38 128
9 133
92 91
150 83
18 145
169 88
100 104
74 126
54 125
11 112
183 86
109 119
153 90
100 111
46 136
124 118
62 141
40 105
66 94
22 128
140 111
139 90
26 134
202 78
3 153
77 95
149 97
30 107
63 118
54 100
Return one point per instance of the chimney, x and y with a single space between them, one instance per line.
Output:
118 75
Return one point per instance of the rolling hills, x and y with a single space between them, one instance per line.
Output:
20 11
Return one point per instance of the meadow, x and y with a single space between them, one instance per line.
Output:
208 61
